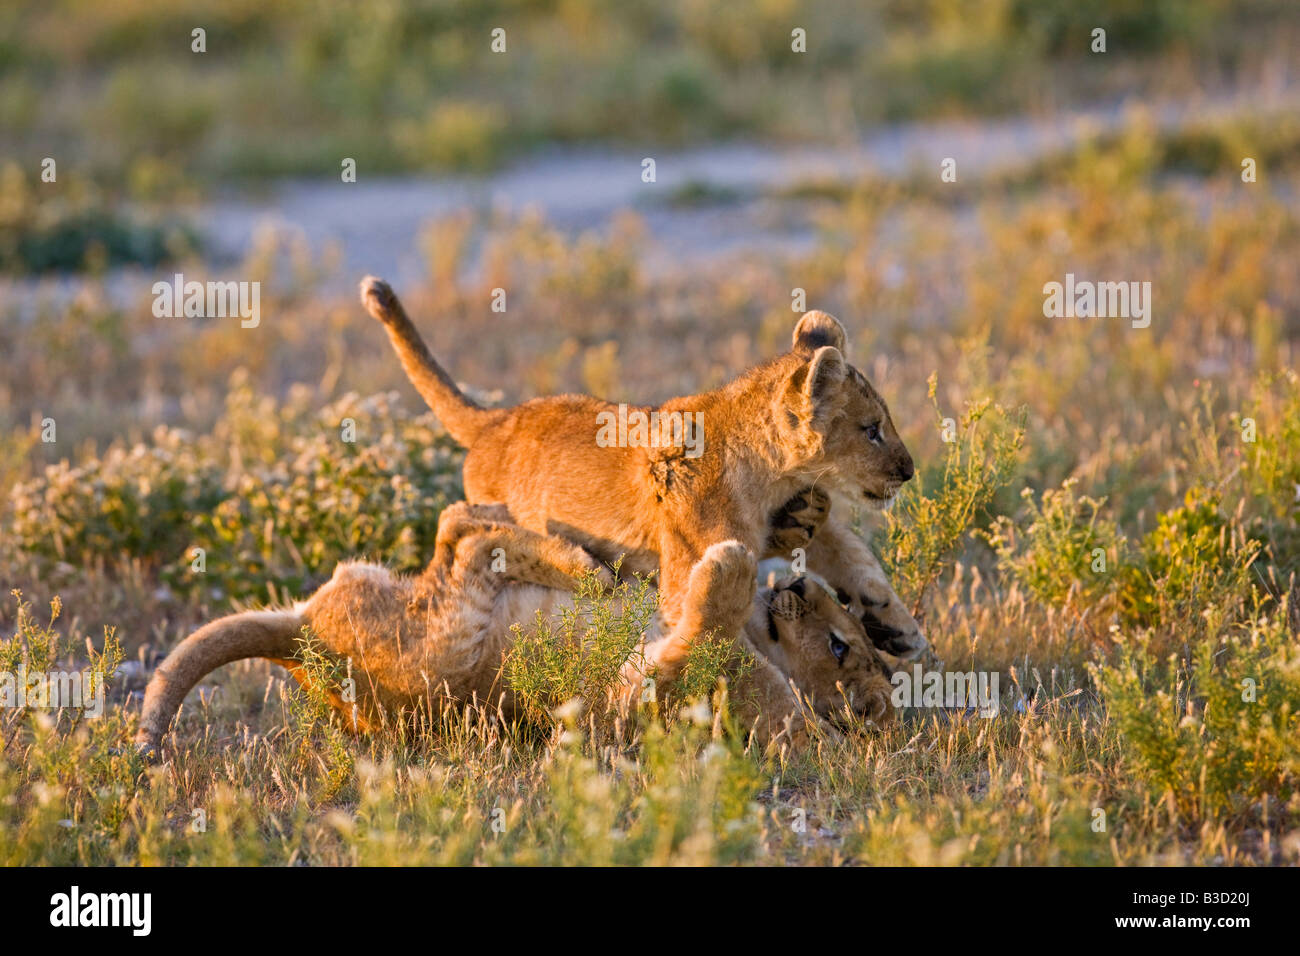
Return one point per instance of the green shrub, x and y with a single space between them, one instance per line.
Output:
318 738
579 656
713 659
39 649
1063 552
455 135
69 228
925 528
1272 461
274 494
139 501
1219 733
1191 561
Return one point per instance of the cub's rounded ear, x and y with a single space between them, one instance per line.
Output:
816 329
813 393
826 372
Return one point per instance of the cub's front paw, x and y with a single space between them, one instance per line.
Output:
889 626
794 524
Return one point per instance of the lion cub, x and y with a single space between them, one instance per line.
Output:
805 419
444 635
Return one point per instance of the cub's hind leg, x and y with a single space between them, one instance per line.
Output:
468 543
460 519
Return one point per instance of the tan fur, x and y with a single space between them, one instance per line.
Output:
443 635
796 422
787 631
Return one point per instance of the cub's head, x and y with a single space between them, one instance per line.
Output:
831 421
801 628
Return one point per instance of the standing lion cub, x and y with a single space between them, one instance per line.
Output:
805 419
443 636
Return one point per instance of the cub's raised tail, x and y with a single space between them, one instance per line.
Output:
463 418
269 634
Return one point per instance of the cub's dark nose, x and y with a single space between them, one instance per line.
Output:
905 469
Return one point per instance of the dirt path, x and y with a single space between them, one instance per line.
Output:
376 222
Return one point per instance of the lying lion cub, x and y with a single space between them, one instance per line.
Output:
444 634
805 419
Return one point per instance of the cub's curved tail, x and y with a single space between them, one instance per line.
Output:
463 418
270 634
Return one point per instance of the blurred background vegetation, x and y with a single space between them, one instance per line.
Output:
288 87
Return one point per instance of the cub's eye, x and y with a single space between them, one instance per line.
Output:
838 648
873 431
